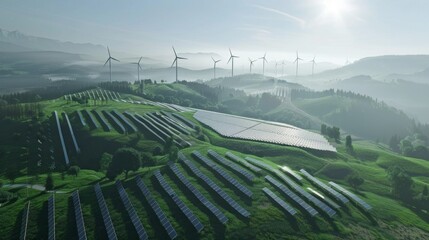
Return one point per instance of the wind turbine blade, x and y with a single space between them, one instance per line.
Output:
229 59
106 62
213 59
218 60
140 59
230 53
115 59
140 67
181 58
250 60
174 50
174 62
108 51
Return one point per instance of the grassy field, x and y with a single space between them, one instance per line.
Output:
389 218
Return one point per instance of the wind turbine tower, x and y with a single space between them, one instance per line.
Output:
251 63
264 60
214 66
297 59
312 67
176 58
231 59
138 71
283 67
110 62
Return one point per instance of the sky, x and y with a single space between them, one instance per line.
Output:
332 30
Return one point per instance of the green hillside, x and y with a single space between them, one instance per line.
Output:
19 164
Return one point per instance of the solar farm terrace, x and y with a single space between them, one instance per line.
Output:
124 167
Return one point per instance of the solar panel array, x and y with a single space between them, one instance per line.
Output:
184 120
291 173
180 204
51 217
81 119
320 196
80 224
138 226
167 130
236 168
243 162
358 200
162 124
174 124
286 207
325 187
145 127
24 221
309 209
104 123
108 225
127 123
237 207
240 187
92 121
115 121
154 128
60 133
209 205
157 209
76 146
264 131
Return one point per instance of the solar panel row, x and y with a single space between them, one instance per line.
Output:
24 221
309 209
60 133
80 224
236 168
173 124
125 121
108 225
104 123
358 200
180 204
224 175
209 205
92 121
325 187
286 207
162 124
243 162
81 119
138 226
184 120
290 172
157 209
243 212
76 147
154 128
166 129
325 199
51 217
115 121
144 127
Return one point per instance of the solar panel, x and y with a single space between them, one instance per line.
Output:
236 168
179 203
127 123
92 121
320 196
51 217
286 191
108 225
138 226
222 174
152 126
325 187
219 191
172 123
76 147
24 221
162 124
243 162
117 123
60 133
81 119
166 129
209 205
286 207
157 209
105 124
184 120
358 200
145 127
80 224
292 173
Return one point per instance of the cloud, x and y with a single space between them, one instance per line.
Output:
287 15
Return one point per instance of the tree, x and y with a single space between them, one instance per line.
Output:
394 143
349 144
355 180
124 160
401 183
49 184
105 161
147 160
323 129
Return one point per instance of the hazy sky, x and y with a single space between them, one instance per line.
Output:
334 30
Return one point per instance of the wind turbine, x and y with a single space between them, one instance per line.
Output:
347 62
214 66
138 71
297 59
176 58
110 62
251 63
283 67
276 66
313 62
232 58
264 60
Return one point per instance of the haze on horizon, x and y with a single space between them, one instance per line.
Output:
333 30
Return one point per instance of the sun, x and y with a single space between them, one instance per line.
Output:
336 9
